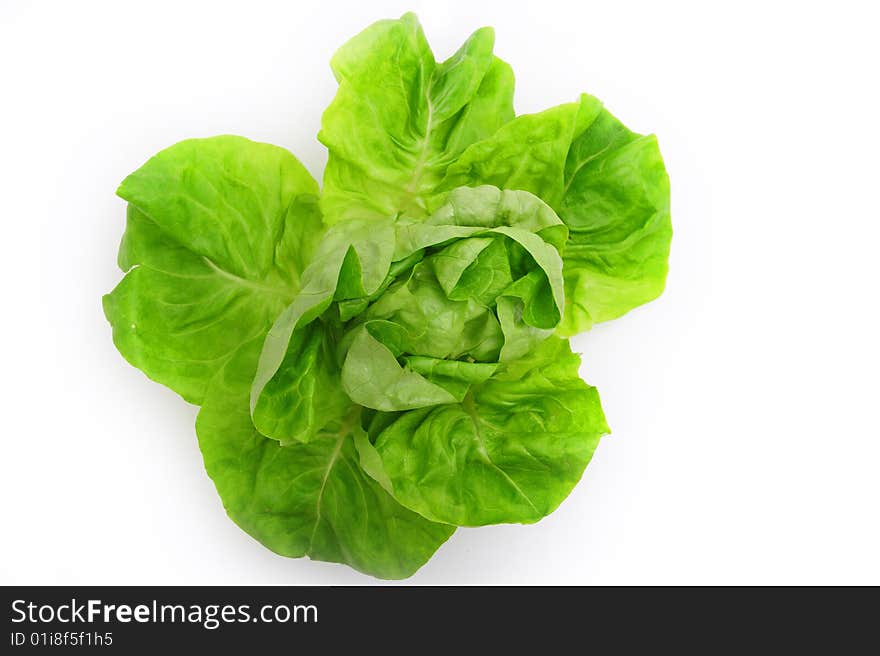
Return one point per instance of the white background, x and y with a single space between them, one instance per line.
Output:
744 403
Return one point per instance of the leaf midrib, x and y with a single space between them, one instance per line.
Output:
330 463
422 160
284 292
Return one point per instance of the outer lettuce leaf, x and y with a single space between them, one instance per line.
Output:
399 118
609 186
529 153
511 451
306 499
616 205
217 237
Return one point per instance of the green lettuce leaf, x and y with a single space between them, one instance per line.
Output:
510 452
217 237
445 308
616 206
306 394
399 118
309 499
289 391
609 186
415 291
